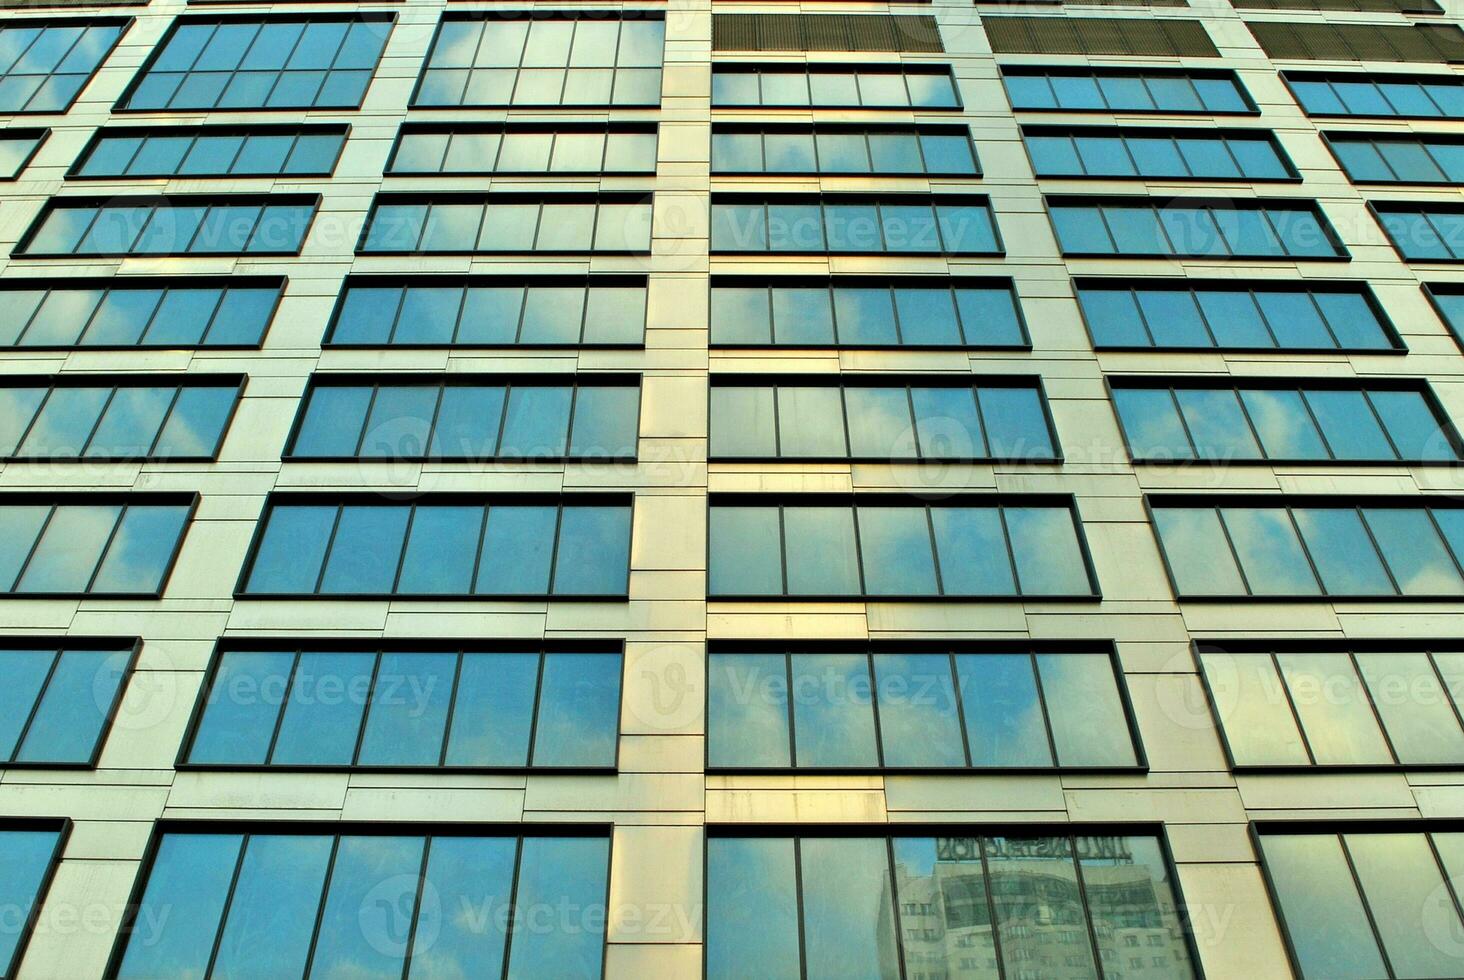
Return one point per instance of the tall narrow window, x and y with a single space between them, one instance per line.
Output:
559 59
29 853
315 61
333 899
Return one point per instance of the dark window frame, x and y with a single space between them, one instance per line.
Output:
122 499
278 283
1095 648
58 18
815 129
895 198
1320 645
119 381
1158 203
1328 75
1235 382
460 14
1190 285
888 832
338 829
225 645
441 380
357 498
944 69
514 126
486 198
1286 502
38 133
1432 291
131 645
1067 502
343 130
1333 136
274 15
161 202
1097 71
895 281
61 826
1125 132
968 381
1378 208
1334 827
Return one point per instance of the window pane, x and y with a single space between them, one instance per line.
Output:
745 551
1089 727
1134 887
747 710
1045 547
1419 561
274 904
1259 726
1196 552
322 718
825 563
243 703
69 549
1269 552
408 713
918 724
1325 922
554 873
743 421
947 424
579 710
1349 425
1344 556
1015 422
22 676
606 421
1004 718
752 909
1217 424
365 552
186 891
494 710
1049 860
1283 424
1400 877
355 932
197 422
536 424
833 711
811 422
895 551
972 551
848 912
879 422
79 697
466 872
593 557
926 318
1414 708
517 550
1333 707
865 316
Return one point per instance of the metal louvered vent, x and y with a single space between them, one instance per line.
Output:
1099 36
820 32
1419 43
1360 6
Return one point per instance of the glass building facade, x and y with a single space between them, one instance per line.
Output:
895 489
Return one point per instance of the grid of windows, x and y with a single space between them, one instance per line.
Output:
1355 94
854 225
487 224
1282 421
879 417
17 147
874 313
446 311
1373 159
180 225
45 64
1385 705
1224 315
518 148
44 314
836 149
1125 90
469 417
428 707
1366 902
916 706
543 59
29 851
1175 154
316 61
836 904
1247 546
331 900
1237 229
442 546
212 151
835 86
1423 232
83 417
90 544
57 703
891 546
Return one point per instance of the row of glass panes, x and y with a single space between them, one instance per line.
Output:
86 547
509 548
835 86
1250 548
793 418
76 419
909 224
1236 229
942 150
815 549
436 709
915 710
522 417
509 223
1281 422
1159 154
236 225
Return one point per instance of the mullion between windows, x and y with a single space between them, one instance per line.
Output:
46 295
416 907
1209 213
508 390
284 706
1269 216
990 896
478 552
1377 417
1036 669
508 926
1103 220
163 423
1087 910
218 939
1449 886
335 847
1253 429
431 434
554 550
366 420
397 316
1301 731
1006 537
1442 236
879 755
959 699
889 883
1444 690
29 555
1234 554
792 716
1377 549
783 547
1266 322
396 577
1322 315
35 417
329 546
35 707
981 421
798 904
366 709
1373 707
457 325
102 555
1316 425
1434 523
1306 552
284 163
1184 424
452 695
97 422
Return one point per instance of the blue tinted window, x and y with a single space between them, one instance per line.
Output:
1167 154
57 703
519 546
1244 230
931 150
1354 94
452 709
1422 234
1121 91
489 226
275 63
26 858
16 149
836 86
172 227
129 421
911 225
209 152
78 549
